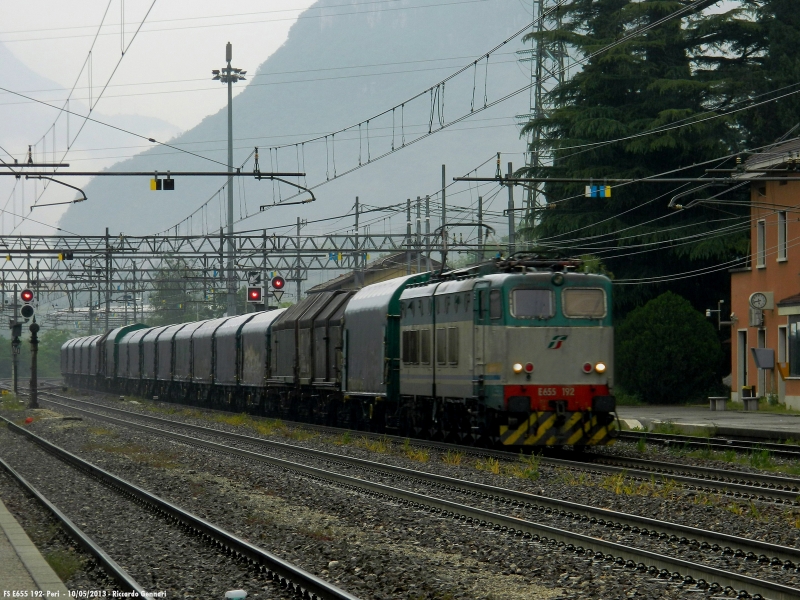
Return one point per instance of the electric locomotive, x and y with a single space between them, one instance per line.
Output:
523 355
516 352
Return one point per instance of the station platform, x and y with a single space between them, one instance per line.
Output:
700 420
22 566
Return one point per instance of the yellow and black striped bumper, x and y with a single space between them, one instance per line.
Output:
546 429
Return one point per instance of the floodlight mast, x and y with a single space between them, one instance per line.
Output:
230 75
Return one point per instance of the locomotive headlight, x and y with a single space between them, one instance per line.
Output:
517 368
600 367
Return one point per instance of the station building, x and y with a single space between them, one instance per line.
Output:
765 292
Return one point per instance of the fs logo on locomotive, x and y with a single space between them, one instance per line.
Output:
556 342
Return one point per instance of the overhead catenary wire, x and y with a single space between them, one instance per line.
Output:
105 86
634 33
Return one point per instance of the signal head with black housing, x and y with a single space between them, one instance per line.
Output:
255 295
278 282
26 296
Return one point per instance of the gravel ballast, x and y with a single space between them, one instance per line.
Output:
376 548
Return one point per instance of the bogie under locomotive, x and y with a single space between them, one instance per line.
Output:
510 353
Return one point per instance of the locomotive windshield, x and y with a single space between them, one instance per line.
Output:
585 303
532 304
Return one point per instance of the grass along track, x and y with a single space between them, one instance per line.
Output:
736 484
705 540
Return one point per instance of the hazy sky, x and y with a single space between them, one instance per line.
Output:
165 73
167 70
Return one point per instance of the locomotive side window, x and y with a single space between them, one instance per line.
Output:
452 345
586 303
411 347
425 346
532 304
496 304
441 346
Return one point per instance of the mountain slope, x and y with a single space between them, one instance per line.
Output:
331 72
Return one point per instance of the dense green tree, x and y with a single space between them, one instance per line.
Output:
602 128
750 52
667 352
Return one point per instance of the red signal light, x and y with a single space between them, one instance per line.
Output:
254 294
27 296
278 282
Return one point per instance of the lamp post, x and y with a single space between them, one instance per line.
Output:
230 75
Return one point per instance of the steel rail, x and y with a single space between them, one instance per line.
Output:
110 566
729 544
728 482
277 569
621 554
746 444
759 480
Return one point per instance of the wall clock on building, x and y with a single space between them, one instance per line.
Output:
761 300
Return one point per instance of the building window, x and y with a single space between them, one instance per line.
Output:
741 358
782 343
761 244
794 346
782 236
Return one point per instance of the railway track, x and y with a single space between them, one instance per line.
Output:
737 484
720 444
122 578
281 572
635 558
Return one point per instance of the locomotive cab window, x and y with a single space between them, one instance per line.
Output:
495 304
584 303
532 304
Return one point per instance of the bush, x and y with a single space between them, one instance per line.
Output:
666 352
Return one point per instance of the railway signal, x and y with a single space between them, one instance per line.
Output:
27 308
278 283
167 184
255 295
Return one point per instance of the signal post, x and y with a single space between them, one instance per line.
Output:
34 385
27 312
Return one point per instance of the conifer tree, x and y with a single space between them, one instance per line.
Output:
603 127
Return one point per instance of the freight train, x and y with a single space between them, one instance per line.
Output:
515 352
